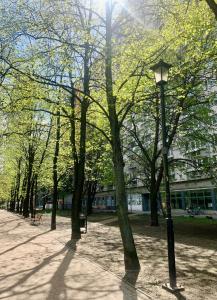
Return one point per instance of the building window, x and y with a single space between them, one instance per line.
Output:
200 198
176 200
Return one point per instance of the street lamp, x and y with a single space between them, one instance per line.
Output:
161 71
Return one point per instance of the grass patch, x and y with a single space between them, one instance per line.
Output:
194 220
61 213
95 217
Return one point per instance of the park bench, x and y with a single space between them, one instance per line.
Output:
37 219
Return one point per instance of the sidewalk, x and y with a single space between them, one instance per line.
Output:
36 264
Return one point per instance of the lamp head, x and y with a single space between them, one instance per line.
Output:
161 72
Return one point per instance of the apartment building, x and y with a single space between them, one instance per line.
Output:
192 177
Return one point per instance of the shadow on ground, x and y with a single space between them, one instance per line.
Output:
23 243
187 232
196 255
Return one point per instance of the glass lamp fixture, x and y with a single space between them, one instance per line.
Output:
161 72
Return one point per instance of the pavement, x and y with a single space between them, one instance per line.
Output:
36 263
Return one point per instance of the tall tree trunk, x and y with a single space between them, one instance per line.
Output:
31 199
79 176
76 208
153 197
213 6
18 193
18 185
12 201
31 156
21 205
35 199
130 255
154 191
35 195
91 192
18 205
75 225
44 203
23 190
79 162
55 173
154 206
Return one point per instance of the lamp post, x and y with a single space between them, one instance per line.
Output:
161 71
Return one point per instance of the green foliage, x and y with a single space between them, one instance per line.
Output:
42 62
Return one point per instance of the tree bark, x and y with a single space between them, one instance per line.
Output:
130 255
79 161
31 156
18 185
35 195
79 176
153 202
55 173
91 191
213 6
23 191
75 225
12 202
31 200
21 205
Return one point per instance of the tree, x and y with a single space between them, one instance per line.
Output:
76 60
186 97
130 254
213 6
98 165
55 170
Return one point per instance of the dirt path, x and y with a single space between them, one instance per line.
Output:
53 272
36 264
196 257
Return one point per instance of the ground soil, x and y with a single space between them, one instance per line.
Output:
196 253
196 257
39 264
